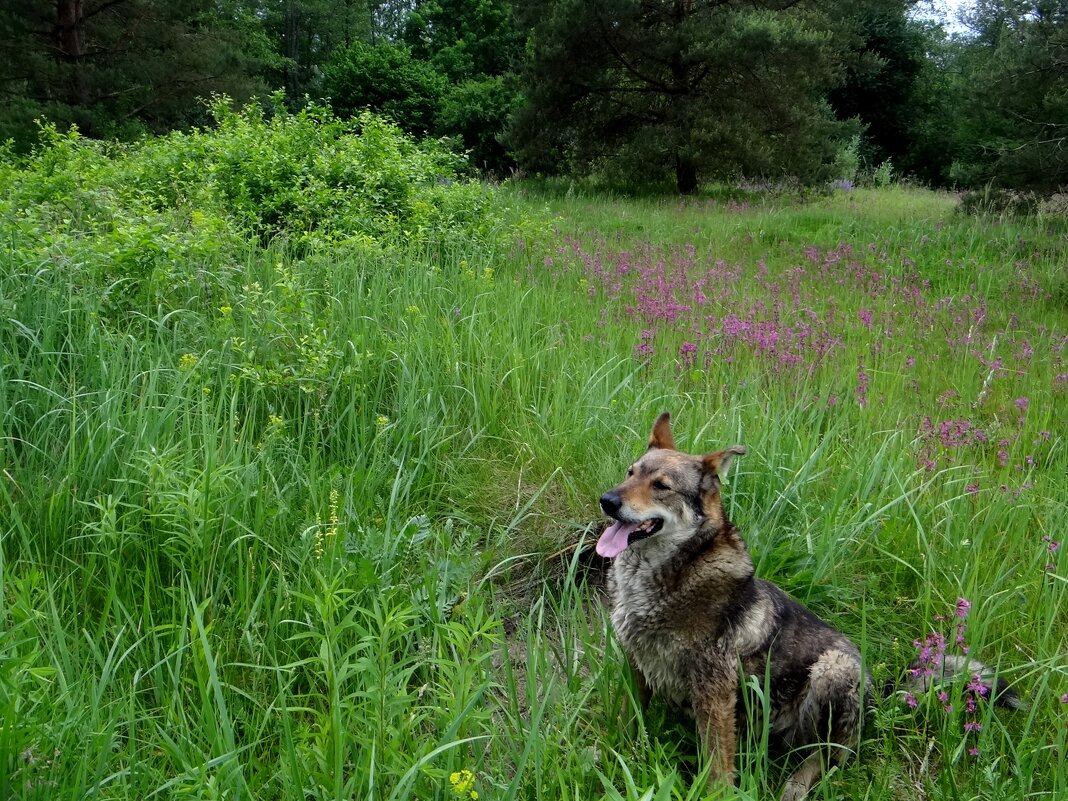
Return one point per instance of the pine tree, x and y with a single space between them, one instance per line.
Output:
700 88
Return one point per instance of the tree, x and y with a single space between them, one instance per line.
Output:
477 110
305 34
881 86
476 44
1013 129
387 79
698 87
106 65
465 39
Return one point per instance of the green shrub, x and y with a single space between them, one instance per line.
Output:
478 111
1006 202
160 223
386 79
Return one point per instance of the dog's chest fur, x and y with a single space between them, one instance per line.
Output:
665 617
640 617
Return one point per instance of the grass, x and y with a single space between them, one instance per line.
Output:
304 531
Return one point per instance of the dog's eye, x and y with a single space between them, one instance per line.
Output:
630 472
660 485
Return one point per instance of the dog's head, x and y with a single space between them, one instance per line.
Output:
665 496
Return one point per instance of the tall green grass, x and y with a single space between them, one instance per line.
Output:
297 522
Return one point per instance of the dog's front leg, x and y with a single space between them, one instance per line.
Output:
715 695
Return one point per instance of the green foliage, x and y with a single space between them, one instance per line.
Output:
294 175
847 162
161 224
883 175
478 111
385 78
304 34
465 39
631 89
116 68
1015 116
882 77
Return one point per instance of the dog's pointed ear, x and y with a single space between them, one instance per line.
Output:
661 436
718 462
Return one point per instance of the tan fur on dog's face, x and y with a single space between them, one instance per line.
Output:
666 485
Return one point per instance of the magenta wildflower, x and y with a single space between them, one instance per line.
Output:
1064 698
972 725
973 751
978 686
971 489
963 605
861 391
910 699
1003 453
865 316
1022 403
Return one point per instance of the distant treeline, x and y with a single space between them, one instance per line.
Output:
631 91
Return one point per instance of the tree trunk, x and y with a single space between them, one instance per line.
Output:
685 169
70 47
685 175
291 50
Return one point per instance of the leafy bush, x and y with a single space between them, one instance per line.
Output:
162 223
386 79
1006 202
478 111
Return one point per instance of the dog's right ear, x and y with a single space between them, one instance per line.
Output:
661 436
717 463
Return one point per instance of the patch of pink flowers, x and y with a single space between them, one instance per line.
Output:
932 653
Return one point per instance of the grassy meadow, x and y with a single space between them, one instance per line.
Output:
301 438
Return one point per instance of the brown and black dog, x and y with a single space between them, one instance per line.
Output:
688 611
692 617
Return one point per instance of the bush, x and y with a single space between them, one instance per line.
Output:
162 222
1006 202
478 111
386 79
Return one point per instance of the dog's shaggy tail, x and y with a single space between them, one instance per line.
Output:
922 675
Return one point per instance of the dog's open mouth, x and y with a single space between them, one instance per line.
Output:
621 534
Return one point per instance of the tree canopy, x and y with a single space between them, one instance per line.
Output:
692 87
636 91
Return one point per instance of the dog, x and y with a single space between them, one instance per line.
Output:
691 616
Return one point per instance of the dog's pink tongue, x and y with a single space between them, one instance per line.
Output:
614 540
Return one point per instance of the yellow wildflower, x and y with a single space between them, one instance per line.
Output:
463 784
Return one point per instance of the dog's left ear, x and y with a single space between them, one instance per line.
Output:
661 436
718 462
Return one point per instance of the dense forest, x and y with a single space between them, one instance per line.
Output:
629 91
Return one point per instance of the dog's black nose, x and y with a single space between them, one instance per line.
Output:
611 502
